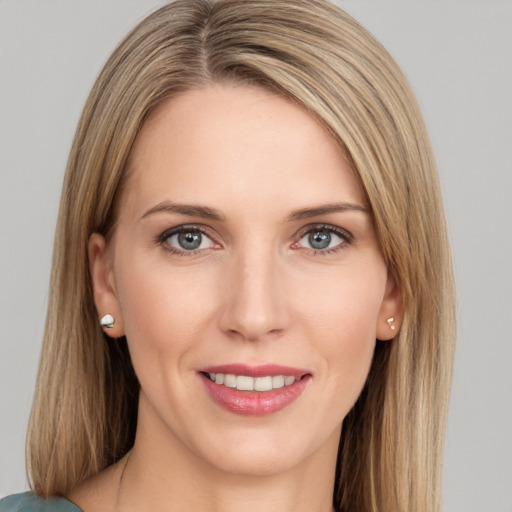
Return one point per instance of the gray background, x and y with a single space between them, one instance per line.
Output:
457 55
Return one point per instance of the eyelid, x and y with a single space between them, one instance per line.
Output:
165 235
345 235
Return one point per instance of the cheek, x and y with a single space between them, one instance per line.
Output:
344 304
163 308
165 314
343 322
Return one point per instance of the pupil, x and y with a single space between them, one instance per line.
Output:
189 240
320 239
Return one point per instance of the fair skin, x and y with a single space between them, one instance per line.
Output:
273 261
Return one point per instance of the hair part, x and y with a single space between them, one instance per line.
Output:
309 51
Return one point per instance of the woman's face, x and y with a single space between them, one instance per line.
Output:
244 256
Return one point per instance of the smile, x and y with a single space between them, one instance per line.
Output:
254 391
247 383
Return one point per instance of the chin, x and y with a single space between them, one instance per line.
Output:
268 453
258 464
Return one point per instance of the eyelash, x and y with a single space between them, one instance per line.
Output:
346 237
162 239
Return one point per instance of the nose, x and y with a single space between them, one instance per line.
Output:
255 305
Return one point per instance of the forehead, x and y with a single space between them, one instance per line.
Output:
229 143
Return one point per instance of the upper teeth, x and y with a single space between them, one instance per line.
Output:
245 383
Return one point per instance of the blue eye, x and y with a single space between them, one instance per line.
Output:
187 240
323 239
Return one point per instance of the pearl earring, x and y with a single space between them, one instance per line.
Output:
107 321
390 321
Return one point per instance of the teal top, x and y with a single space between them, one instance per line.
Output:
28 502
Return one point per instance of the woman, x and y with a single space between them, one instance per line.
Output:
251 300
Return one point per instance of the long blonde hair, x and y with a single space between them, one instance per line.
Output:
85 407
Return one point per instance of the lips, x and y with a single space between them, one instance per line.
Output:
254 391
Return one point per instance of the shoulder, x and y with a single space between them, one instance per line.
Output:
28 502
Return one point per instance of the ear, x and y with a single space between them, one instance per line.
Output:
105 297
391 311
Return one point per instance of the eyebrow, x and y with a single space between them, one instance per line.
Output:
185 209
324 209
212 214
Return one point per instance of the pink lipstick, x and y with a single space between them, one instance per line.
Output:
254 390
